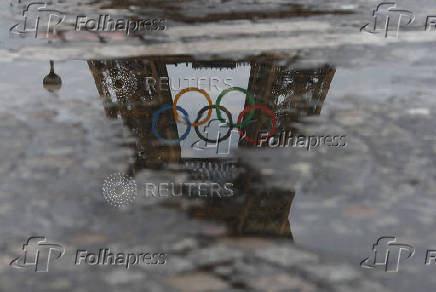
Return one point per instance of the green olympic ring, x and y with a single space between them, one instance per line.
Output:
218 111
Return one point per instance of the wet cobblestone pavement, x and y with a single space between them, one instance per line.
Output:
295 218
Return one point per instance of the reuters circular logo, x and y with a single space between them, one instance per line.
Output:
119 190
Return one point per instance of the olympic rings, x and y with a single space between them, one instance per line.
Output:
223 138
240 124
156 117
261 107
250 98
206 95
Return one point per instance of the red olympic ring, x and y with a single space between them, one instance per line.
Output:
261 107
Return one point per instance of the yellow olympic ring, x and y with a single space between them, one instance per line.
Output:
183 91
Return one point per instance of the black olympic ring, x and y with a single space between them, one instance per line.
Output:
230 126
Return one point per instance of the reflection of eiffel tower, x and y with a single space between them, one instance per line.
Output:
251 211
288 92
215 65
121 84
221 170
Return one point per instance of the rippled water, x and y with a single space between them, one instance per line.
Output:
89 122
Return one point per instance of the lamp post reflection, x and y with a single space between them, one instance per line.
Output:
52 82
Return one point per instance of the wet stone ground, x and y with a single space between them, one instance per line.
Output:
58 150
298 221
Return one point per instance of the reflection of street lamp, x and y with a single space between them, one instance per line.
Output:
52 82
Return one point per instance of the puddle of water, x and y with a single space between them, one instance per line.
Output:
279 191
351 156
134 90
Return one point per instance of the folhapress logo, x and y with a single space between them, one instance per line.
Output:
37 18
387 253
388 17
41 19
38 253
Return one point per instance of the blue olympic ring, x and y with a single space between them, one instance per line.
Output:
156 117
